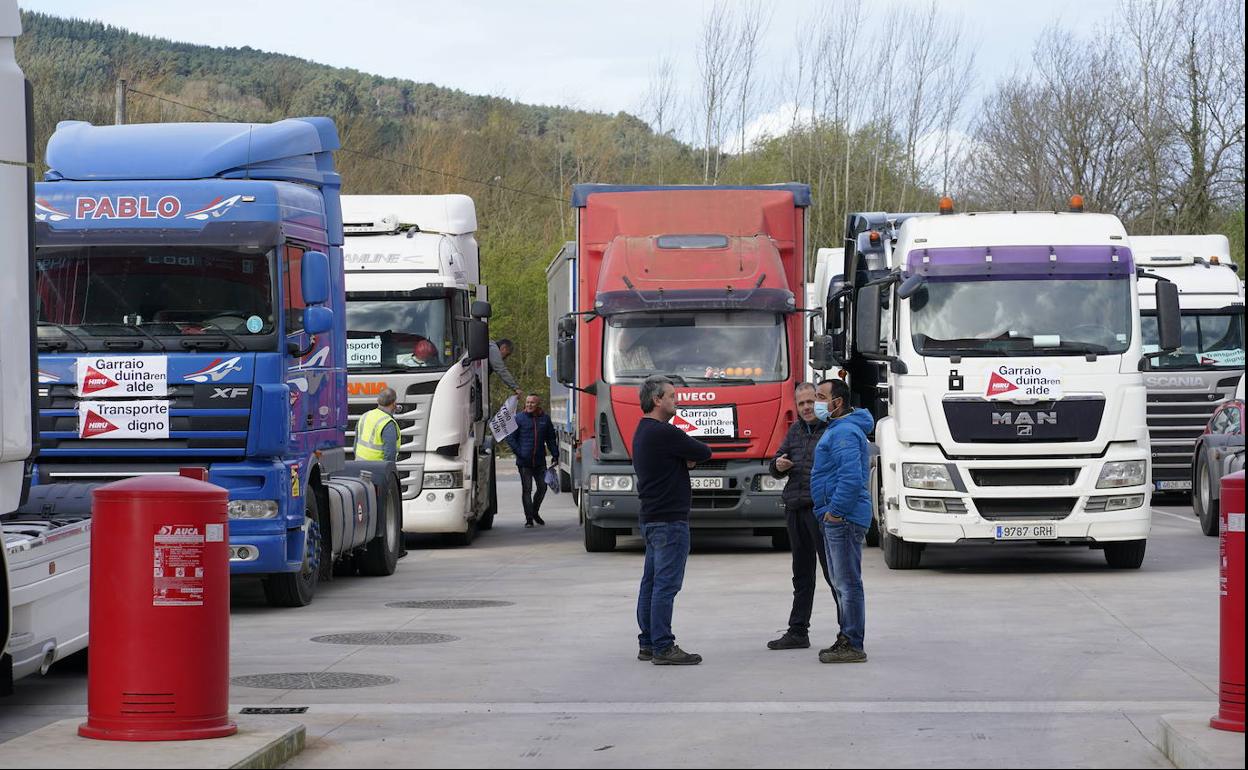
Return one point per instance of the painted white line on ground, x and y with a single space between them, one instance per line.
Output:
1189 519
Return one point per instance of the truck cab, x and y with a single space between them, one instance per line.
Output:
1187 386
414 300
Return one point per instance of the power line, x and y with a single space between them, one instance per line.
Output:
448 175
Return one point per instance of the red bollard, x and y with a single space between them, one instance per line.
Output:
159 661
1230 714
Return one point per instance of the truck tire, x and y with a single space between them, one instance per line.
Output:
1203 501
598 539
873 531
1125 554
296 589
898 554
486 522
381 555
462 539
565 481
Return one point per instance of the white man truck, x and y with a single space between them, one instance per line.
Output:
413 293
43 561
1188 385
1002 357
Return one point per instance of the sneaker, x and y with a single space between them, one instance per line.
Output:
528 524
841 641
674 656
645 653
539 520
844 654
790 641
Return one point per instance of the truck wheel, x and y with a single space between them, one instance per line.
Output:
873 531
1125 554
565 481
464 538
598 539
381 556
1207 509
296 589
780 540
486 521
898 554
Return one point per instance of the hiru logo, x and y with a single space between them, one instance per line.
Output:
1024 422
229 393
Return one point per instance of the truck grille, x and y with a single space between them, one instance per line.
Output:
1024 477
976 421
1038 508
716 499
1175 422
413 428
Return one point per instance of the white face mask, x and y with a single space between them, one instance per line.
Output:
821 411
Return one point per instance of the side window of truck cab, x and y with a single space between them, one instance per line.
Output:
292 278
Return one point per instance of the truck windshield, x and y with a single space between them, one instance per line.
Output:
1211 340
1021 317
742 346
399 332
213 296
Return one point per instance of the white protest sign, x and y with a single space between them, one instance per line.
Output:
123 376
123 419
503 424
364 352
707 421
1024 383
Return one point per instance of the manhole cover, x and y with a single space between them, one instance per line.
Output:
449 604
385 638
312 680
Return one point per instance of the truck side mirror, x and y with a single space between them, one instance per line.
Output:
314 277
867 321
317 319
478 340
911 286
565 351
480 309
821 357
1169 323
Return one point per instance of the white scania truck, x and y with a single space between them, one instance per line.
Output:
43 562
1188 385
1002 357
413 291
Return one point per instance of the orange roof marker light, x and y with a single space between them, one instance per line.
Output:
874 237
1076 204
946 205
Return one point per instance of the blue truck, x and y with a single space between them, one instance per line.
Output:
191 312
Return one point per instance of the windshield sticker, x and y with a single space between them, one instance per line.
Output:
1222 358
1024 383
364 352
123 419
255 324
123 376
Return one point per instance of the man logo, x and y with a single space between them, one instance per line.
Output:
1024 422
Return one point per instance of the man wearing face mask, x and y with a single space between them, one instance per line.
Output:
794 460
842 503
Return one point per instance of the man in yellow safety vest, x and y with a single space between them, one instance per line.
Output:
377 433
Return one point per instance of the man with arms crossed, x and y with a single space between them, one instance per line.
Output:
662 457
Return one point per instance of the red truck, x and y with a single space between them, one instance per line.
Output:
700 284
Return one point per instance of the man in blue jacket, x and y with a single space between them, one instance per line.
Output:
842 502
533 437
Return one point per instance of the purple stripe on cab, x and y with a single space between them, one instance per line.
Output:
1022 262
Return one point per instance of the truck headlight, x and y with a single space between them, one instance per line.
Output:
443 480
610 483
768 483
926 476
252 509
1128 473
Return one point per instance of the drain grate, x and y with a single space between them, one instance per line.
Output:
449 604
385 638
312 680
274 710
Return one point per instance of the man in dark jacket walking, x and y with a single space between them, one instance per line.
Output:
533 437
793 460
838 487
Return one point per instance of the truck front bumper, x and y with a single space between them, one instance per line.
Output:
437 511
738 504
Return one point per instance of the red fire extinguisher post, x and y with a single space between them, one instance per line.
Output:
1230 714
160 610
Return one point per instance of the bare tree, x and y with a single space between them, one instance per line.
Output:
660 104
717 47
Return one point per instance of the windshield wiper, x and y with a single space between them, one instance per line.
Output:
60 344
677 379
733 380
117 343
195 343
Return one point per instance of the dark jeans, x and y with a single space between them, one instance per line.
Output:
532 499
667 550
844 540
806 541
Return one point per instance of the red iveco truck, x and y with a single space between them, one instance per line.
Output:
701 284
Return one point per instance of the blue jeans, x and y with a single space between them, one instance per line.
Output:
667 550
844 540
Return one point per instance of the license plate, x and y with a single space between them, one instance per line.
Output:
1169 485
706 482
1045 531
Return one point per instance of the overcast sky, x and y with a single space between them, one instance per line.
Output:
592 55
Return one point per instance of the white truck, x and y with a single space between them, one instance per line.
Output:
43 562
1186 387
828 264
1002 357
413 292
